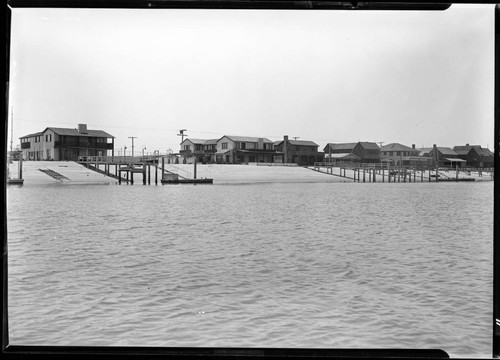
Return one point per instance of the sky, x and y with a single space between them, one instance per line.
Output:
410 77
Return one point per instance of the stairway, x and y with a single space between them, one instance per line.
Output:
54 174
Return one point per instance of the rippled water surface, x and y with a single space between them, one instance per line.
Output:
325 265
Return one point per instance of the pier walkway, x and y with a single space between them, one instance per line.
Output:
123 169
371 172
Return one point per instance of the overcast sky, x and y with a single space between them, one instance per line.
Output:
328 76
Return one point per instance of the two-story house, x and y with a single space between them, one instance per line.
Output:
300 152
202 149
475 155
398 154
244 149
66 144
368 152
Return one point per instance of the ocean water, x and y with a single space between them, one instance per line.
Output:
322 265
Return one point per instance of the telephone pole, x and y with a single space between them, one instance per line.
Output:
132 137
181 134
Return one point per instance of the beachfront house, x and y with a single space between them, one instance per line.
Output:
399 154
475 155
446 156
66 144
201 149
244 149
300 152
368 152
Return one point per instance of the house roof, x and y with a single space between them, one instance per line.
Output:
246 138
446 151
74 132
201 141
31 135
396 147
369 145
195 141
298 142
350 146
341 146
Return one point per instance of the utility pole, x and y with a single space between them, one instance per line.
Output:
181 134
11 128
296 137
132 137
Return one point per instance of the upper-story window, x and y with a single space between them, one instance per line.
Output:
187 147
224 145
198 146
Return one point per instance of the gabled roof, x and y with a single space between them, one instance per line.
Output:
31 135
341 146
446 151
194 141
298 142
369 145
210 142
486 152
74 132
246 139
396 147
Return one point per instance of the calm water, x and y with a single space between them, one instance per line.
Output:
267 265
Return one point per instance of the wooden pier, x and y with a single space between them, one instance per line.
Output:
123 169
364 172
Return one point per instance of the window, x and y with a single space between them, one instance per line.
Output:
187 147
224 145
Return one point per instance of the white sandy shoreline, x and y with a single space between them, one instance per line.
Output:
77 174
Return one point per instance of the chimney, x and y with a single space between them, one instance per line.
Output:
413 146
285 148
467 145
82 128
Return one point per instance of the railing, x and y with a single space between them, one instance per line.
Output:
272 164
118 159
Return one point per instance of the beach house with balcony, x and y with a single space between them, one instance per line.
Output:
66 144
202 149
244 149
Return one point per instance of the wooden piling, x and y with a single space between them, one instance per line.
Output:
364 173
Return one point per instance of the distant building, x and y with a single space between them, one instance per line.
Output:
300 152
475 155
368 152
244 149
398 154
66 144
445 156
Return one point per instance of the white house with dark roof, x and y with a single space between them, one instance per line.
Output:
202 149
66 144
244 149
399 154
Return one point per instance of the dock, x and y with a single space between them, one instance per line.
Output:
123 169
376 172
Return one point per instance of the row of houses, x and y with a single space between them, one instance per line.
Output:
69 144
238 149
